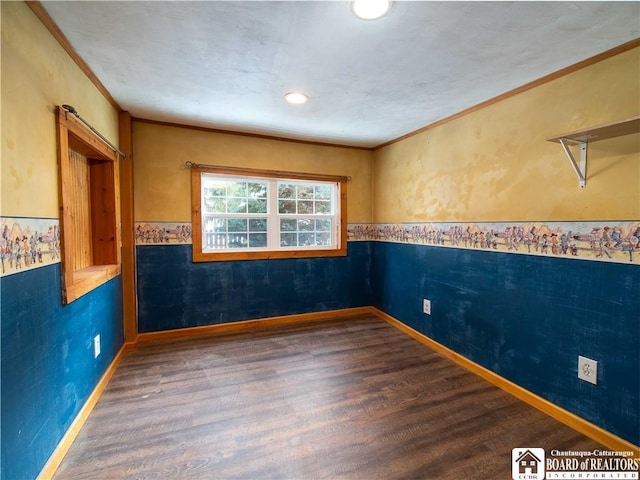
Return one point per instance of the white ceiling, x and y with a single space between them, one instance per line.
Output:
227 65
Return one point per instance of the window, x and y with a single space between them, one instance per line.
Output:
250 214
90 216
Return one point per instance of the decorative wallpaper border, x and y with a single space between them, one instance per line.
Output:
600 241
604 241
27 243
163 233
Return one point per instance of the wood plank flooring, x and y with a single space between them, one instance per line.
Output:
350 399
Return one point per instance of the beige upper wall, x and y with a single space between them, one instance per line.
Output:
496 165
37 74
162 185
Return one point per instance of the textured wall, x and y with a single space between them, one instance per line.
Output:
162 185
173 292
527 318
37 75
48 366
496 165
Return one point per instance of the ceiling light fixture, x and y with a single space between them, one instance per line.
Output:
370 9
296 97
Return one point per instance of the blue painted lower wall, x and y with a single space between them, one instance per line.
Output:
174 293
48 368
526 318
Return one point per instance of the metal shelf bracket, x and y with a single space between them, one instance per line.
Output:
581 137
581 171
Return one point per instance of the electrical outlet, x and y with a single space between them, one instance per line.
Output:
96 346
587 370
426 306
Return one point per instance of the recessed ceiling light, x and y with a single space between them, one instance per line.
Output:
296 97
370 9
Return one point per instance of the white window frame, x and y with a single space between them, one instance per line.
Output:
273 249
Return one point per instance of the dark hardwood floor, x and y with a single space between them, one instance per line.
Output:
352 399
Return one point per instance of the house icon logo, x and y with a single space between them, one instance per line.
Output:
527 463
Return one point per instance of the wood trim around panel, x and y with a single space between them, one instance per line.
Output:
250 135
570 419
72 432
196 218
50 25
103 161
129 298
527 86
241 326
264 173
199 257
66 254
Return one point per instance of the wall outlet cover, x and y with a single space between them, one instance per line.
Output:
96 346
587 369
426 306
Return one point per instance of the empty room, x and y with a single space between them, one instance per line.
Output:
301 239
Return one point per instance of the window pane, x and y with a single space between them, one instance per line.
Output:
305 191
323 238
237 240
237 224
220 225
258 225
288 240
288 224
217 190
305 207
237 205
215 205
306 239
257 240
258 190
306 225
323 208
214 240
323 225
286 206
323 192
310 232
212 224
286 191
237 189
257 206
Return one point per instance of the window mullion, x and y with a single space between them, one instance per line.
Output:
273 223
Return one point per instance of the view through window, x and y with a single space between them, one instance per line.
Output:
239 212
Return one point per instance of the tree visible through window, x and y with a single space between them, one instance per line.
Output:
239 214
234 213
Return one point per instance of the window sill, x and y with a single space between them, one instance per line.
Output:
266 255
88 279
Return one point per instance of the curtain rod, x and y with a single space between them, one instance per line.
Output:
269 172
73 111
